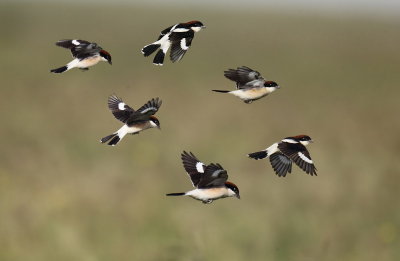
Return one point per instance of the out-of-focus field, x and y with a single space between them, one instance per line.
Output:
65 196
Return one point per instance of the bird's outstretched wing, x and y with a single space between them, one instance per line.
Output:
119 109
80 48
242 75
214 176
181 42
193 166
300 155
144 112
281 164
164 32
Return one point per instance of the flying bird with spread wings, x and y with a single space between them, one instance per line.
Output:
134 121
86 54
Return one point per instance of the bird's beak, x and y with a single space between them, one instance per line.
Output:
110 62
204 27
158 127
278 87
310 141
238 196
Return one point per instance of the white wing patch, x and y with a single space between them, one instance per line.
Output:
290 141
121 106
146 110
303 157
183 44
200 167
179 30
75 42
216 173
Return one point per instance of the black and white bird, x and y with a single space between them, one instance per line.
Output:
250 85
210 181
86 54
283 153
134 121
179 37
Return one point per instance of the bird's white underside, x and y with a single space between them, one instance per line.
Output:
85 63
210 193
251 94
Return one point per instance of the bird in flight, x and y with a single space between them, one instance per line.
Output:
86 54
283 153
179 37
210 181
134 121
250 85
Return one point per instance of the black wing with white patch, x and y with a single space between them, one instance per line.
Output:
119 109
69 44
80 49
151 107
242 75
193 166
180 45
144 112
214 176
300 155
281 164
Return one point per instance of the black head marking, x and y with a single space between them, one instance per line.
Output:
270 84
233 187
302 138
106 56
195 23
155 120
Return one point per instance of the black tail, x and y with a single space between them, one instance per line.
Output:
176 194
59 70
113 142
258 155
223 91
149 49
159 58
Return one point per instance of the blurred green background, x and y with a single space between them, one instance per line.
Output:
65 196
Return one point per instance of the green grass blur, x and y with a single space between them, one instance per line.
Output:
64 196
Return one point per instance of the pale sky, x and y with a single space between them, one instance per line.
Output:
373 7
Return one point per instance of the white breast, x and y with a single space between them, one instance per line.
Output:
250 94
89 61
212 193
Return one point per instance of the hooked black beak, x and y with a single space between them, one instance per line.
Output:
109 61
238 196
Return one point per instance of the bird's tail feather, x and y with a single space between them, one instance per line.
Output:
114 141
223 91
113 138
149 49
107 138
258 155
176 194
159 58
60 70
